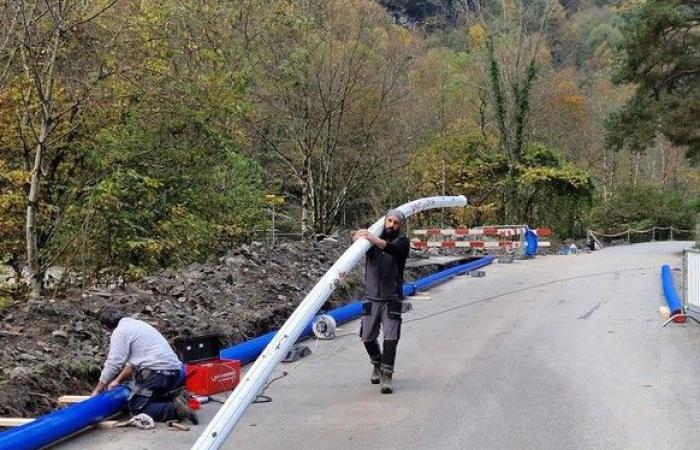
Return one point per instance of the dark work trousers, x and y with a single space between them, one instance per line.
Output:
386 316
153 395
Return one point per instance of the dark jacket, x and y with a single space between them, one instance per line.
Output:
384 270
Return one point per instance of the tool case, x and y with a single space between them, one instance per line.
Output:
205 372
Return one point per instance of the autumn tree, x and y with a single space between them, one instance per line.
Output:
331 81
514 48
47 67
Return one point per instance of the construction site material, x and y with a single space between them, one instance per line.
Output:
324 326
198 348
221 426
72 398
440 277
674 302
440 261
506 259
19 421
60 424
247 351
211 377
505 237
296 353
532 242
14 421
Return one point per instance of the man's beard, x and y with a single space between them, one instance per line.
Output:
390 233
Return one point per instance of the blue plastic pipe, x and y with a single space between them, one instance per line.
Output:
532 242
440 277
674 303
247 351
70 420
60 424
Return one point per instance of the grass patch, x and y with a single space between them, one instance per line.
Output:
11 294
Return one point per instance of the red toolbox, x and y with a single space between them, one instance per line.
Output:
212 376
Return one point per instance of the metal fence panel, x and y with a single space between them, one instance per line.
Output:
691 282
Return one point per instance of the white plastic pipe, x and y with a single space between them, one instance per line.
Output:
223 422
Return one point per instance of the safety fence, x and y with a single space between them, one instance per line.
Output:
505 237
637 236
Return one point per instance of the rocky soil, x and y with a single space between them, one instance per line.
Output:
54 346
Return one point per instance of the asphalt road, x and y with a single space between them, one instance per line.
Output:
560 352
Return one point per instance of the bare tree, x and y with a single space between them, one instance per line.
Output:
55 82
330 105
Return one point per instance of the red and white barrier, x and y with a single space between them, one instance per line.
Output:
507 237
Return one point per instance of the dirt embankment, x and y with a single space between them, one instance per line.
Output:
54 346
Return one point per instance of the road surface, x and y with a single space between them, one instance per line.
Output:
560 352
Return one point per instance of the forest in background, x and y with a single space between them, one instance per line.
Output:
138 135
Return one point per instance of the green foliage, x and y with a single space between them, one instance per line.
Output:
643 206
177 192
550 190
12 204
553 191
156 176
659 54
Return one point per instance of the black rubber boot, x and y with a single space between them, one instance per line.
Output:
376 373
387 386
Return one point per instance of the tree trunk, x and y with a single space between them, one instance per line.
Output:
511 209
308 203
305 198
35 276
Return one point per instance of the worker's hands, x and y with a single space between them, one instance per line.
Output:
98 389
373 239
113 384
364 233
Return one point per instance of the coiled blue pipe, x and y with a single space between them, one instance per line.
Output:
674 303
60 424
64 422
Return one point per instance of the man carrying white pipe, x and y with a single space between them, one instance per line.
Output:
384 269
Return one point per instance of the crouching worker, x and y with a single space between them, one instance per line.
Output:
138 352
